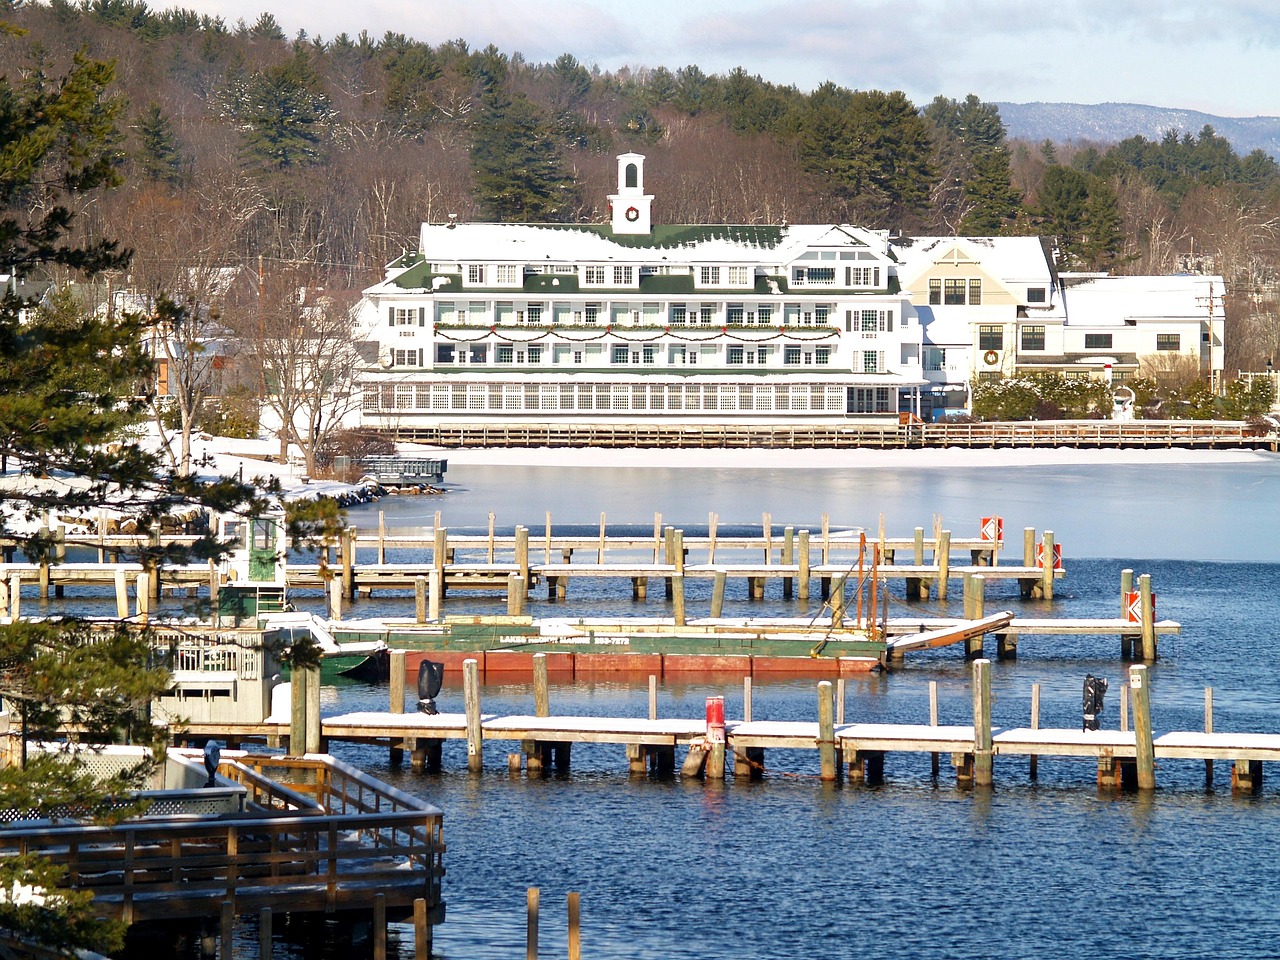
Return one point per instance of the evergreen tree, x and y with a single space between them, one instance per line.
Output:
996 203
518 168
1060 212
159 159
69 379
1103 234
284 113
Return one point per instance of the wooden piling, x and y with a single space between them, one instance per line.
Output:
1124 708
1139 687
1028 546
227 926
264 934
15 597
489 550
522 556
312 742
471 700
4 599
396 698
516 595
533 899
1046 575
1208 728
379 926
826 733
382 537
826 538
1126 588
713 522
802 588
142 592
1033 764
349 563
575 931
335 594
122 595
435 590
933 720
677 599
840 698
717 594
420 599
421 931
746 699
917 546
439 551
1148 608
942 555
541 694
653 696
982 734
788 558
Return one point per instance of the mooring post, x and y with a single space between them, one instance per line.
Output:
653 696
541 696
826 733
575 931
471 701
982 750
669 554
717 594
933 720
522 556
122 594
1148 607
1124 708
1046 575
516 595
1208 728
439 553
382 537
977 606
746 699
421 930
531 923
788 558
840 698
917 546
227 928
837 600
1126 588
942 554
396 685
142 590
420 599
335 594
349 563
43 534
15 597
1139 689
435 590
1034 771
802 588
1028 546
677 598
313 739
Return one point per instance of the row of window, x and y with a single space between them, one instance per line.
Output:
646 354
955 292
1031 338
637 397
619 275
828 276
478 313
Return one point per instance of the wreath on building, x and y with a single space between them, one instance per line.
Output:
632 214
991 358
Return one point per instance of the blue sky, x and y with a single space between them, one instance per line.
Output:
1218 57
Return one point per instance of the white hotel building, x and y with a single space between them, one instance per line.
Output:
632 322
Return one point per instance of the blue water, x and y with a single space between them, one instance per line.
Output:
791 867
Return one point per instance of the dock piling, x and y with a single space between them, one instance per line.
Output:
826 733
788 558
717 594
541 694
1034 762
1126 588
421 931
933 720
677 599
1208 728
420 599
435 590
982 734
575 930
227 926
471 699
1046 573
1139 687
122 595
942 557
653 696
1148 608
264 934
532 901
803 563
379 926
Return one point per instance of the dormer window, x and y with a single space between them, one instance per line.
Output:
710 276
623 276
475 273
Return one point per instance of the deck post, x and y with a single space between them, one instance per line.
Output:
1028 546
420 599
1034 762
533 898
669 554
803 562
397 678
379 926
717 594
313 741
264 934
1139 688
826 732
515 595
677 598
942 556
1046 575
142 594
334 591
421 931
541 696
227 926
43 534
15 597
382 537
1126 588
653 696
435 590
837 600
975 603
522 556
122 595
1148 607
788 558
982 749
917 546
471 699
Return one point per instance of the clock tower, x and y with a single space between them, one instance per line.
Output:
630 205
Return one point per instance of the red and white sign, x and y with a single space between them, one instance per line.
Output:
1057 555
1133 606
715 719
993 529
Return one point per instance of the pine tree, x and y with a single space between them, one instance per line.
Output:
996 203
285 114
518 168
1063 200
1103 234
159 158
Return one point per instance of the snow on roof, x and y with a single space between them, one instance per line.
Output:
1116 301
1015 260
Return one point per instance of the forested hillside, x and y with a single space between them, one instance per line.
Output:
320 157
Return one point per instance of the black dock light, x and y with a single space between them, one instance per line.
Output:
430 680
1094 690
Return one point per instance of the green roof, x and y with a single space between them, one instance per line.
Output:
665 236
420 277
550 283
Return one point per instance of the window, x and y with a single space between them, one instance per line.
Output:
791 356
593 275
1033 338
1169 341
444 353
953 292
867 277
813 276
870 361
679 314
705 315
623 276
406 358
765 313
739 276
621 354
535 353
975 292
506 353
822 355
935 293
709 276
406 316
1036 295
507 273
475 273
650 353
821 314
733 356
534 313
935 359
870 321
991 336
734 314
1097 341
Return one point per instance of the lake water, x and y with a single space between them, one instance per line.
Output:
914 868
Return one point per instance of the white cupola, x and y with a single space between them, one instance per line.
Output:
630 205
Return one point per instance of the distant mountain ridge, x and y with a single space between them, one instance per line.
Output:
1112 122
